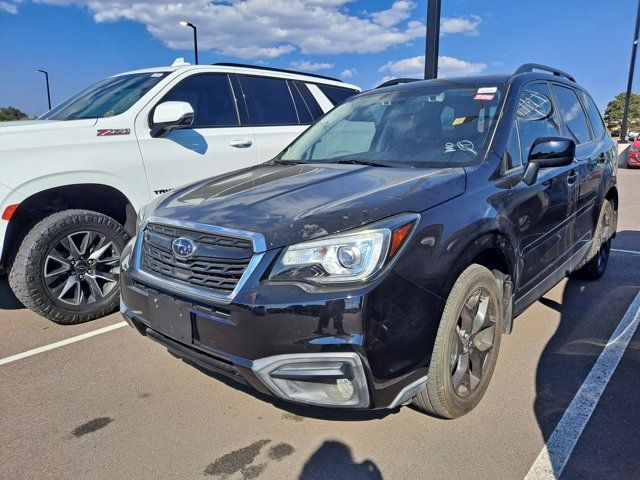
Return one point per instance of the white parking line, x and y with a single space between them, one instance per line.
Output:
61 343
555 454
633 252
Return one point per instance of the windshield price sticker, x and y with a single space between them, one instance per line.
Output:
484 96
487 90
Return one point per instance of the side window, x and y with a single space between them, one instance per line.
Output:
210 96
309 99
512 155
304 114
269 101
597 125
572 113
536 116
336 94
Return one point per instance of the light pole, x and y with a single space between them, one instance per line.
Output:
625 116
195 37
432 45
46 76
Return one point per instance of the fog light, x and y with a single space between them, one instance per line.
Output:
330 379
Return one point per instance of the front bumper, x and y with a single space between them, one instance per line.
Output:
386 362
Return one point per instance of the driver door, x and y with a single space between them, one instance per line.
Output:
217 142
542 214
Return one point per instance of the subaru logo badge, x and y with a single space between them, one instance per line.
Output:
183 247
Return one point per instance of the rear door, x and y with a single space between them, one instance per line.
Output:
589 154
219 141
272 113
542 213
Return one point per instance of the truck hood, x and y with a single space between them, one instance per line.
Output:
292 203
19 126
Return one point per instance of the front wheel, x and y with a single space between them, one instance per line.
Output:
466 347
67 268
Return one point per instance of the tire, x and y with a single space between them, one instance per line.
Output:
595 264
67 266
448 392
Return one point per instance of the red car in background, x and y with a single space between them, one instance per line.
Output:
633 161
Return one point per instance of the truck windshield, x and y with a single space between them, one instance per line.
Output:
107 98
446 125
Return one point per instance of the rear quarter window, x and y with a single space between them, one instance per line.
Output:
597 125
337 95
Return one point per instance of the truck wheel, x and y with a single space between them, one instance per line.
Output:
599 255
67 267
466 347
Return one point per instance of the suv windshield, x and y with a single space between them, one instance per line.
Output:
434 126
107 98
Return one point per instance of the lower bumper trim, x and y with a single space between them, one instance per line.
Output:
205 361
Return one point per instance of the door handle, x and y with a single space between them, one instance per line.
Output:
573 176
242 143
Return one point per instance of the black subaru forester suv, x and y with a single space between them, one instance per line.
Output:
379 258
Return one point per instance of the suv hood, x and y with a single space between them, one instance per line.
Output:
292 203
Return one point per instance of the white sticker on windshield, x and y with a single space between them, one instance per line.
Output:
487 90
155 75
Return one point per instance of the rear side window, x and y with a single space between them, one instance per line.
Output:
211 97
309 99
304 114
269 101
572 113
536 116
597 125
336 94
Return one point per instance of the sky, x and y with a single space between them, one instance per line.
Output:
80 42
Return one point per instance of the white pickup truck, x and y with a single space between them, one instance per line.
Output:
73 181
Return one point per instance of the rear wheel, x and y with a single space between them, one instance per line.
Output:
67 268
599 255
466 347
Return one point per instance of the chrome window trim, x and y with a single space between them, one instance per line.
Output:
259 247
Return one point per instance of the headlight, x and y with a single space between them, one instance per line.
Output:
350 257
634 148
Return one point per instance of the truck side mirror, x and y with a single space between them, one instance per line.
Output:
170 116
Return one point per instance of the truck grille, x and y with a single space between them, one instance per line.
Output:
217 265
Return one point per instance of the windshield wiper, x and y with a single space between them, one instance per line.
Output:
362 162
287 162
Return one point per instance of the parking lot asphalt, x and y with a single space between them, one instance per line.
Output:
118 406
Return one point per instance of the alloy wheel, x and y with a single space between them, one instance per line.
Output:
472 343
82 268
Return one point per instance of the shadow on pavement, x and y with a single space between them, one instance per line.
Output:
333 460
589 313
8 300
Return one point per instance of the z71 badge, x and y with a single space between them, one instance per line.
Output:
106 132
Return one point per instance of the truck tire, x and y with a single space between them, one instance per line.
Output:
466 347
67 267
596 262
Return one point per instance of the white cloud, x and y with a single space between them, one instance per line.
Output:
447 67
308 66
460 25
348 73
9 7
254 29
399 11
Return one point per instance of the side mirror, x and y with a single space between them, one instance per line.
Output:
548 152
170 116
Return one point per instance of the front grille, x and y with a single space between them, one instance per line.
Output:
217 265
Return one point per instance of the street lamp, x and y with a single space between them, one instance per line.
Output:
632 66
46 76
195 37
432 44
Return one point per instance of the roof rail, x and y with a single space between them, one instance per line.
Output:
273 69
530 67
397 81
